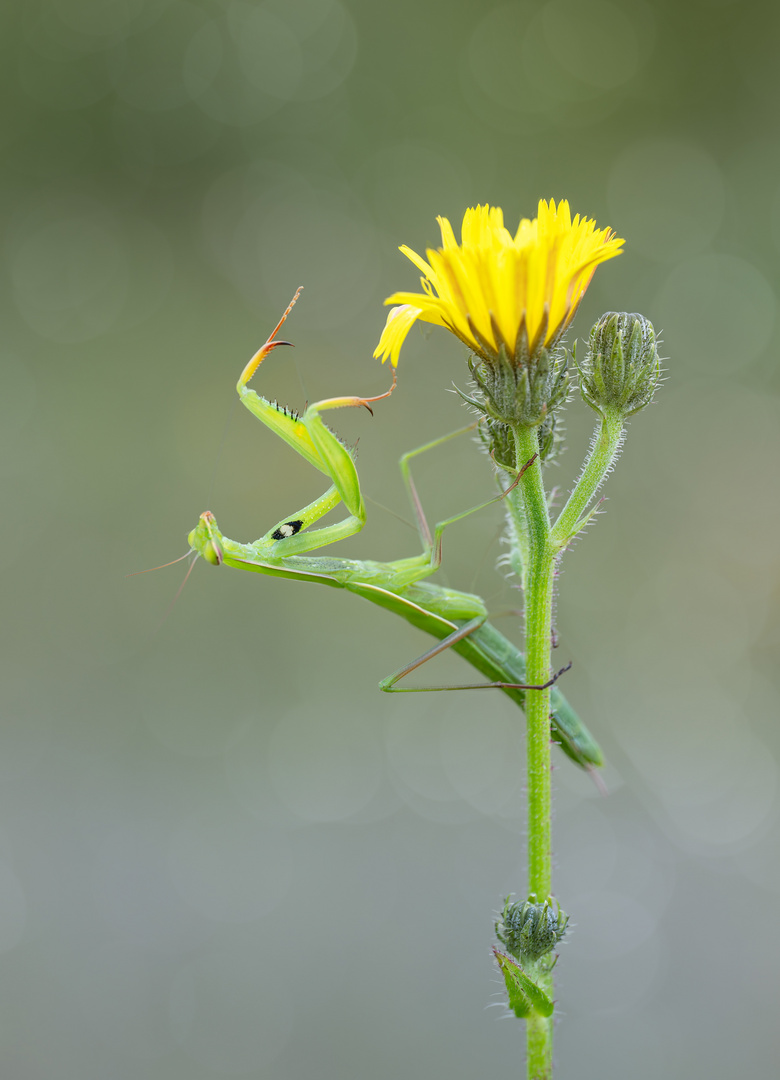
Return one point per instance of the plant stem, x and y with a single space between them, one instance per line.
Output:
538 584
604 450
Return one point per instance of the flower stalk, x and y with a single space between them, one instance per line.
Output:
510 299
538 587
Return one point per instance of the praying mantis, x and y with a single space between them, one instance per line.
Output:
459 620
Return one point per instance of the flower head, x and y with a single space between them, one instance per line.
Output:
496 290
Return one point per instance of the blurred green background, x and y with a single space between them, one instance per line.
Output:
222 851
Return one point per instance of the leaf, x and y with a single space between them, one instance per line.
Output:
525 997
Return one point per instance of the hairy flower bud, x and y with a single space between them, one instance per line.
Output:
529 930
622 368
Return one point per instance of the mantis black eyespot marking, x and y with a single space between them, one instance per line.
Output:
290 528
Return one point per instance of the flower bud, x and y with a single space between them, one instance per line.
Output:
529 930
622 367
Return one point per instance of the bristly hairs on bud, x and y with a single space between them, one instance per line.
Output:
622 368
525 390
529 930
520 391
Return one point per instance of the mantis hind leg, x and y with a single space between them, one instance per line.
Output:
388 685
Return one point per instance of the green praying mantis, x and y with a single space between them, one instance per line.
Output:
459 620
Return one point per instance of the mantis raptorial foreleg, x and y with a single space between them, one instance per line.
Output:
309 436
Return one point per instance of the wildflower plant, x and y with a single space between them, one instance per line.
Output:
510 298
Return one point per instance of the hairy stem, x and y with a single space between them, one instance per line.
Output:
603 452
538 583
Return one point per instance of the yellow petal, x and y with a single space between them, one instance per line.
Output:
492 284
399 322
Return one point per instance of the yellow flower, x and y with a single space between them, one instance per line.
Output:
494 289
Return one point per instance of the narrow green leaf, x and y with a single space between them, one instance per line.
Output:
525 997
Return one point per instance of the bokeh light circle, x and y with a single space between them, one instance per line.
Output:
228 869
244 65
71 277
667 197
147 68
530 59
293 234
79 269
717 313
105 20
483 759
563 40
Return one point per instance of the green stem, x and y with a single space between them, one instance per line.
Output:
536 548
538 584
603 452
539 1040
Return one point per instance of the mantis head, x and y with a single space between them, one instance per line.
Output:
206 539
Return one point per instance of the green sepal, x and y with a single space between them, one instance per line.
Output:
525 997
520 391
